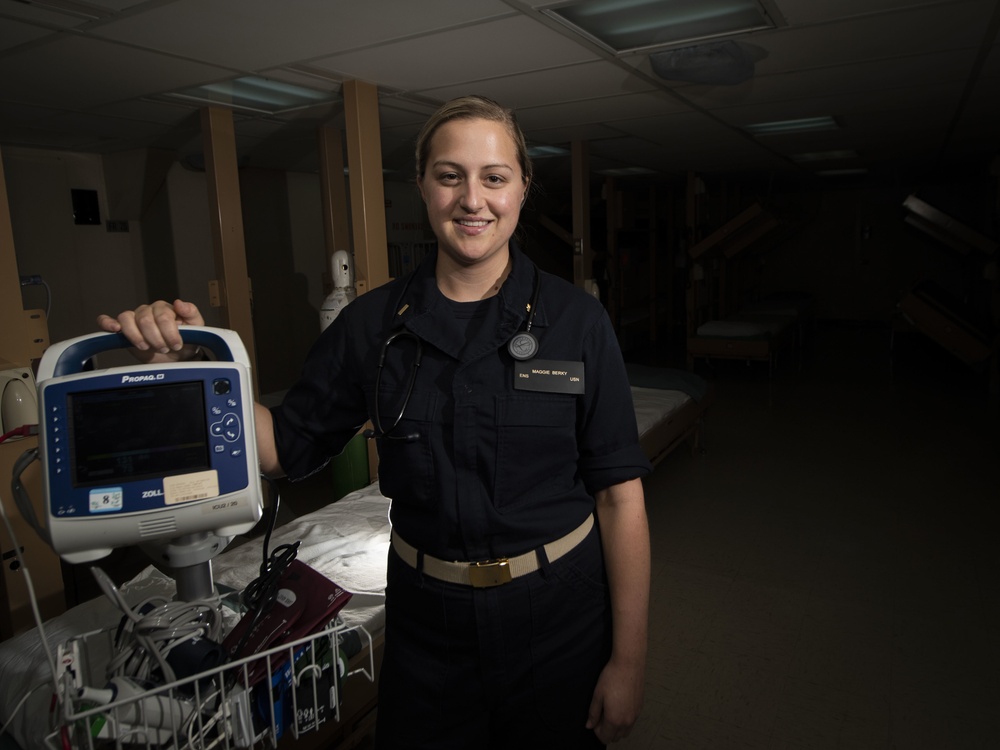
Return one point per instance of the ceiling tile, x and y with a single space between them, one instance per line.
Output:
13 33
254 34
799 12
459 56
608 110
80 72
910 99
935 68
918 31
101 127
33 137
565 84
45 19
163 113
594 131
897 71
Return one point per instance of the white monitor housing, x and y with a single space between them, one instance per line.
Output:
162 456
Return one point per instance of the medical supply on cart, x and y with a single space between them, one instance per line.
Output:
164 456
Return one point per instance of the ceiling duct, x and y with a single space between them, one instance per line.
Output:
724 63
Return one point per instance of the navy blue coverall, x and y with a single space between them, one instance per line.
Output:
476 470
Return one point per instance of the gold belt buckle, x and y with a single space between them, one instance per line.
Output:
490 573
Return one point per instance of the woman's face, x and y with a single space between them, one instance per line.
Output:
473 188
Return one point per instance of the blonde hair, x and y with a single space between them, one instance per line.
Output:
474 107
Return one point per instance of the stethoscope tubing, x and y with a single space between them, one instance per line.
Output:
379 432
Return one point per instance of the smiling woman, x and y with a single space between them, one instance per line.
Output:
537 639
474 174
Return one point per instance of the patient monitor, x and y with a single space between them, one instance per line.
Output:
162 456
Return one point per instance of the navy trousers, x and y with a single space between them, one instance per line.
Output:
507 667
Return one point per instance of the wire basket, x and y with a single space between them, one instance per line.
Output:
291 689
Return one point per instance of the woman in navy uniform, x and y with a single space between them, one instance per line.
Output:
518 577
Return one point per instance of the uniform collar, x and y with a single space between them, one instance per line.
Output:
426 302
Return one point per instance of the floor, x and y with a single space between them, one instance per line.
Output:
825 575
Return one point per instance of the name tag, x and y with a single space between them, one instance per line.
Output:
549 375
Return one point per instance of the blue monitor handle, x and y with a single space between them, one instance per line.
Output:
71 356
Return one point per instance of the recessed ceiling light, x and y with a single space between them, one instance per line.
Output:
825 156
255 94
630 25
792 126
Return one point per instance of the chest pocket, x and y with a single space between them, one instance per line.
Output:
536 448
406 458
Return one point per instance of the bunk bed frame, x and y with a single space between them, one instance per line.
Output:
714 329
929 309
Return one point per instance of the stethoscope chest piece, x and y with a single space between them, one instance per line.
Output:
523 346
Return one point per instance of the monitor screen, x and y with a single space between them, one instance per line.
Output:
136 433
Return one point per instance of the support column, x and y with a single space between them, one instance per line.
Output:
364 164
231 290
14 337
613 222
652 245
333 192
994 385
583 250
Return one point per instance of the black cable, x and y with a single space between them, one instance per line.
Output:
21 498
274 514
260 594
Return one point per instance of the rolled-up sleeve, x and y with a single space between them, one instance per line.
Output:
609 441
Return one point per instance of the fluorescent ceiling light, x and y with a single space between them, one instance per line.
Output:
841 172
541 152
629 25
626 171
792 126
825 156
255 94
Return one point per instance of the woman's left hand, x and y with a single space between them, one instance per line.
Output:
617 701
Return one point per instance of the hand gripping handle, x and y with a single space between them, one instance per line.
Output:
72 356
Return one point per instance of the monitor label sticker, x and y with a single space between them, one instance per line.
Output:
106 499
185 488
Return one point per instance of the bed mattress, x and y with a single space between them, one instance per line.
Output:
653 406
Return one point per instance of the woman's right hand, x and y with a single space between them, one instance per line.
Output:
152 329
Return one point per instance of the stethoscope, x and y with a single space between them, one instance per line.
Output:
522 346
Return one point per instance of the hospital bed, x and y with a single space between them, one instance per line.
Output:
762 331
347 541
670 408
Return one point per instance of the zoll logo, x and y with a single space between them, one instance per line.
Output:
143 378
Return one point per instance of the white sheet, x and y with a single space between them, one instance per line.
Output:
653 405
